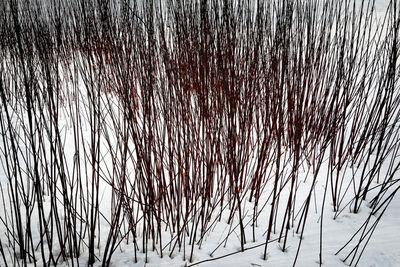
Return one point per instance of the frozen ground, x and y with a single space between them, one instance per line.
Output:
381 251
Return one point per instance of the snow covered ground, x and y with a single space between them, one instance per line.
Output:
382 249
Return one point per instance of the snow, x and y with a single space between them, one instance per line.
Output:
382 249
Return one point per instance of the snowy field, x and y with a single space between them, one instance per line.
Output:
382 249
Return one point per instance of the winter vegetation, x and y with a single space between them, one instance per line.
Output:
183 133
